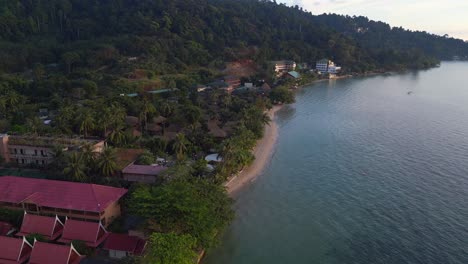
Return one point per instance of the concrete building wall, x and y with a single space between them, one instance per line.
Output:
4 147
106 217
23 154
139 178
116 254
111 213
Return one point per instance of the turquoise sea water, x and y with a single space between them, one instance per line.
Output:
366 170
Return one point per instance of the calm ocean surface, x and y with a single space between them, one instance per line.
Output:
363 173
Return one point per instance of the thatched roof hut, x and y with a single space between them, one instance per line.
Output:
132 121
215 130
153 128
159 120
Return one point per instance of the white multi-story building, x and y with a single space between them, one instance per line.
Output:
327 66
284 66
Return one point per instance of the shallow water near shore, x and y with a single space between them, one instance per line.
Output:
366 170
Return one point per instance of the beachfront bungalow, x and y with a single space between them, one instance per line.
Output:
14 250
46 253
91 233
142 173
48 227
121 245
89 202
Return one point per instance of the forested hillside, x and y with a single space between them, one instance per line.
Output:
176 34
377 36
135 73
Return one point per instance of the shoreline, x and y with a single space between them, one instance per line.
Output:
263 151
265 147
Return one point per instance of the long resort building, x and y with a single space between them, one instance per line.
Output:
26 150
89 202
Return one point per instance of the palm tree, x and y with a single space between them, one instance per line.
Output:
87 122
64 119
11 101
180 146
105 119
112 116
146 108
167 109
3 106
58 157
265 119
88 155
34 124
106 162
226 101
118 136
75 168
118 115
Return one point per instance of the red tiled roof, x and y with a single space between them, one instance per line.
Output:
58 194
123 242
46 253
144 169
5 228
93 234
13 251
49 227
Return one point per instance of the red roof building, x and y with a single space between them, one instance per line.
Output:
5 229
122 245
46 253
75 200
142 173
92 233
14 250
48 227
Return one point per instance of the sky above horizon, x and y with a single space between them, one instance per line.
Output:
434 16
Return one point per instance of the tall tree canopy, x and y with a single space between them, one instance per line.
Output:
196 207
180 33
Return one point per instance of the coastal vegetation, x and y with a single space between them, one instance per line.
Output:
131 76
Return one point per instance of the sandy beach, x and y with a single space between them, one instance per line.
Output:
263 152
